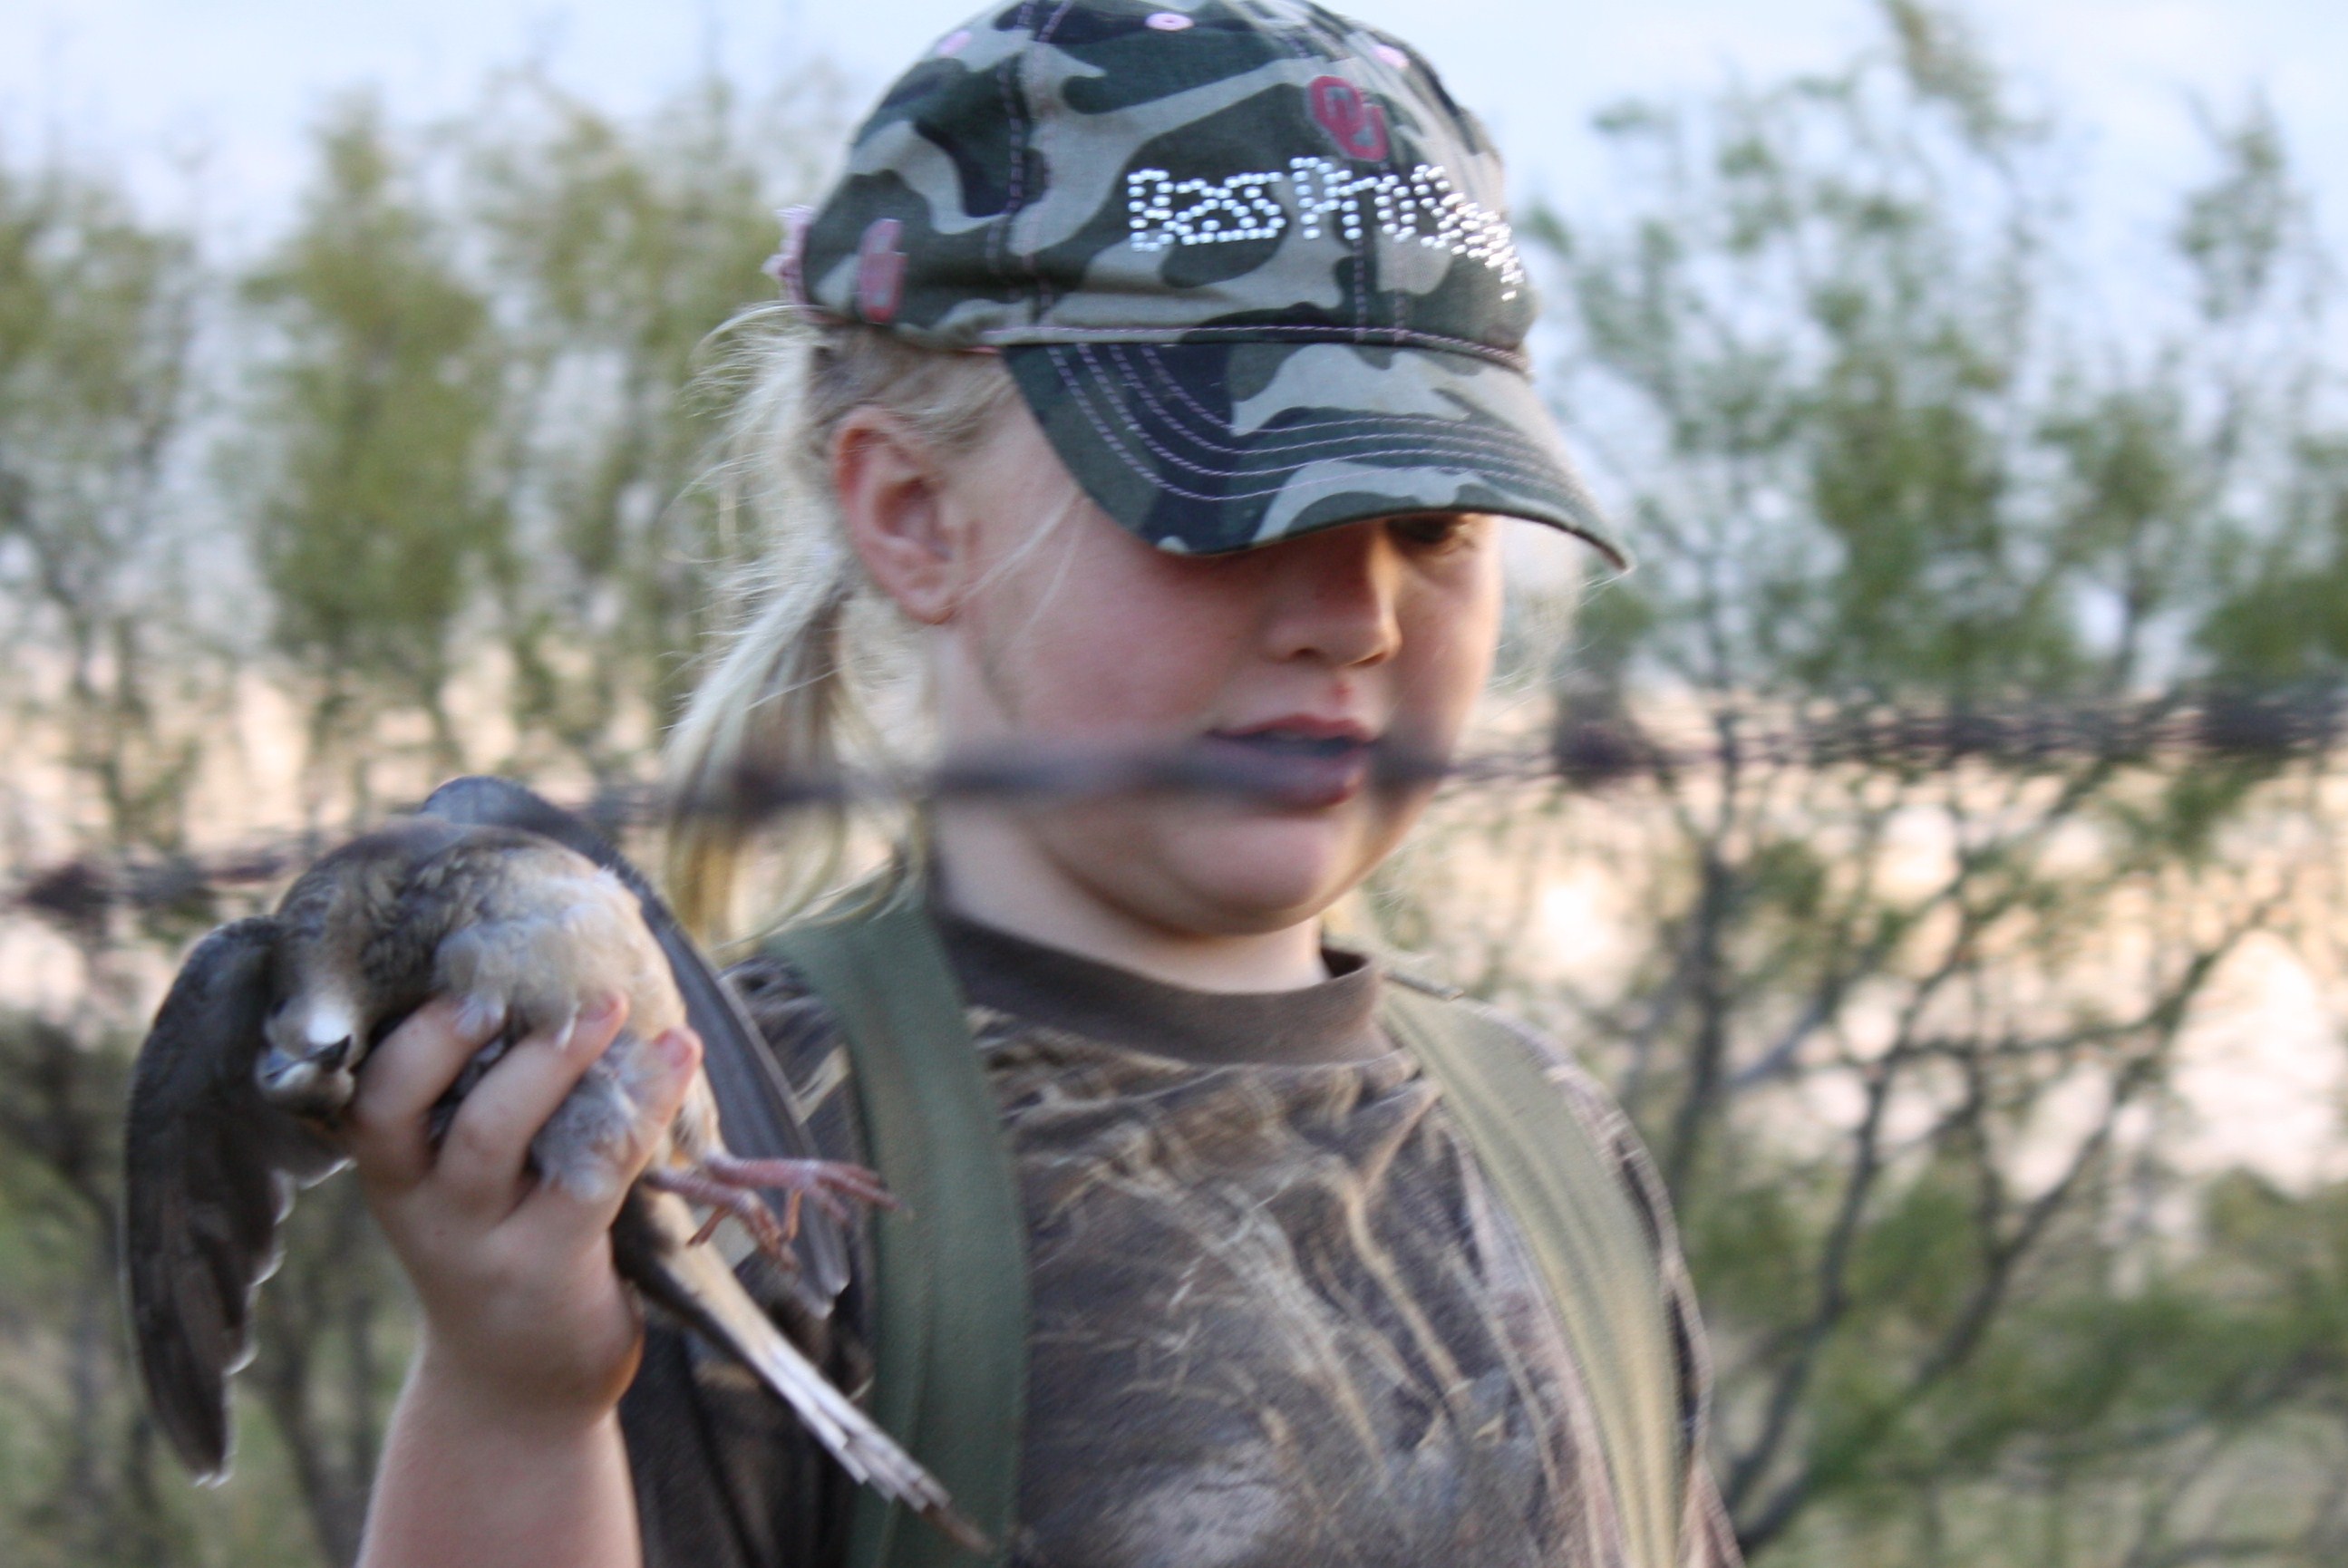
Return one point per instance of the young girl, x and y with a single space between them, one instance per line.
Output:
1154 376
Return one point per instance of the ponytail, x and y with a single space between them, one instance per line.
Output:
814 675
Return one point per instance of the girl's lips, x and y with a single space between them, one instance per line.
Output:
1302 727
1289 767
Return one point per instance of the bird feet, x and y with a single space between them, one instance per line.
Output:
731 1187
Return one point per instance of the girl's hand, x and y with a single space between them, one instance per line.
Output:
527 1327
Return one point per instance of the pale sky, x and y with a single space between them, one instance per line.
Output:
239 79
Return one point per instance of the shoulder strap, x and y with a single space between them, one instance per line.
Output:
950 1307
1591 1248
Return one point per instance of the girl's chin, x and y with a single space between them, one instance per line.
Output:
1269 872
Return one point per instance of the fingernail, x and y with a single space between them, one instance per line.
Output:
589 1021
676 1050
477 1017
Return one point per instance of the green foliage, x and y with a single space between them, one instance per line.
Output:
83 1478
96 322
382 409
2238 230
1833 352
1945 62
1821 327
474 422
110 680
616 250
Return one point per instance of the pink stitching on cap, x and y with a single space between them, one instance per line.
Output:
1521 462
953 44
1501 444
1359 125
783 266
1158 480
880 271
1445 454
1399 337
1168 20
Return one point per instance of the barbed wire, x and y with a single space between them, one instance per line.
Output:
1583 751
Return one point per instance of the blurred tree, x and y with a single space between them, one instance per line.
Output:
1903 1035
615 249
95 327
112 685
97 317
378 460
458 426
478 421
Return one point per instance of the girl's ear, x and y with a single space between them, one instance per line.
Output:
895 513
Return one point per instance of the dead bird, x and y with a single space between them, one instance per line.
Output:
255 1050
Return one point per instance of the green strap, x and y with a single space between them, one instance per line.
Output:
1590 1247
950 1378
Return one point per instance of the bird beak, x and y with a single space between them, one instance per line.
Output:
317 1083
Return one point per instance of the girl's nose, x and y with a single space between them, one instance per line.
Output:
1335 596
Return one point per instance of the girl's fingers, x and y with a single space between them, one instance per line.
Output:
560 1207
480 1160
384 1128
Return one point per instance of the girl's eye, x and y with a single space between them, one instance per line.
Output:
1432 530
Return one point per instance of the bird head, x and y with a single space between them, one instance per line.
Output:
310 1067
354 957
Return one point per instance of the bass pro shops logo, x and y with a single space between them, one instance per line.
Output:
1318 195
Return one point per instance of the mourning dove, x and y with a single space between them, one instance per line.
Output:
254 1052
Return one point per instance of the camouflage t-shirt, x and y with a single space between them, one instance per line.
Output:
1278 1317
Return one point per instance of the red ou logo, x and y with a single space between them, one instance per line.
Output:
1359 125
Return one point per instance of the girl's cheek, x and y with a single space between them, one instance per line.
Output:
1450 636
1121 659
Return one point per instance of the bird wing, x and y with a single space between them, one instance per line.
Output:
757 1113
210 1170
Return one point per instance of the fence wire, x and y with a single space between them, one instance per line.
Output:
1583 751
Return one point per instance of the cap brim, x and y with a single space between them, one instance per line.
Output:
1208 447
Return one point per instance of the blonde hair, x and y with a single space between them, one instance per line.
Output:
815 653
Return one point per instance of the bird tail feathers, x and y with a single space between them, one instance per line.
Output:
695 1284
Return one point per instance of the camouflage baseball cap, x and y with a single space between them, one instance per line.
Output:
1247 261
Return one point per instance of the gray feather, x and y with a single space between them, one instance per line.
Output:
756 1108
209 1169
